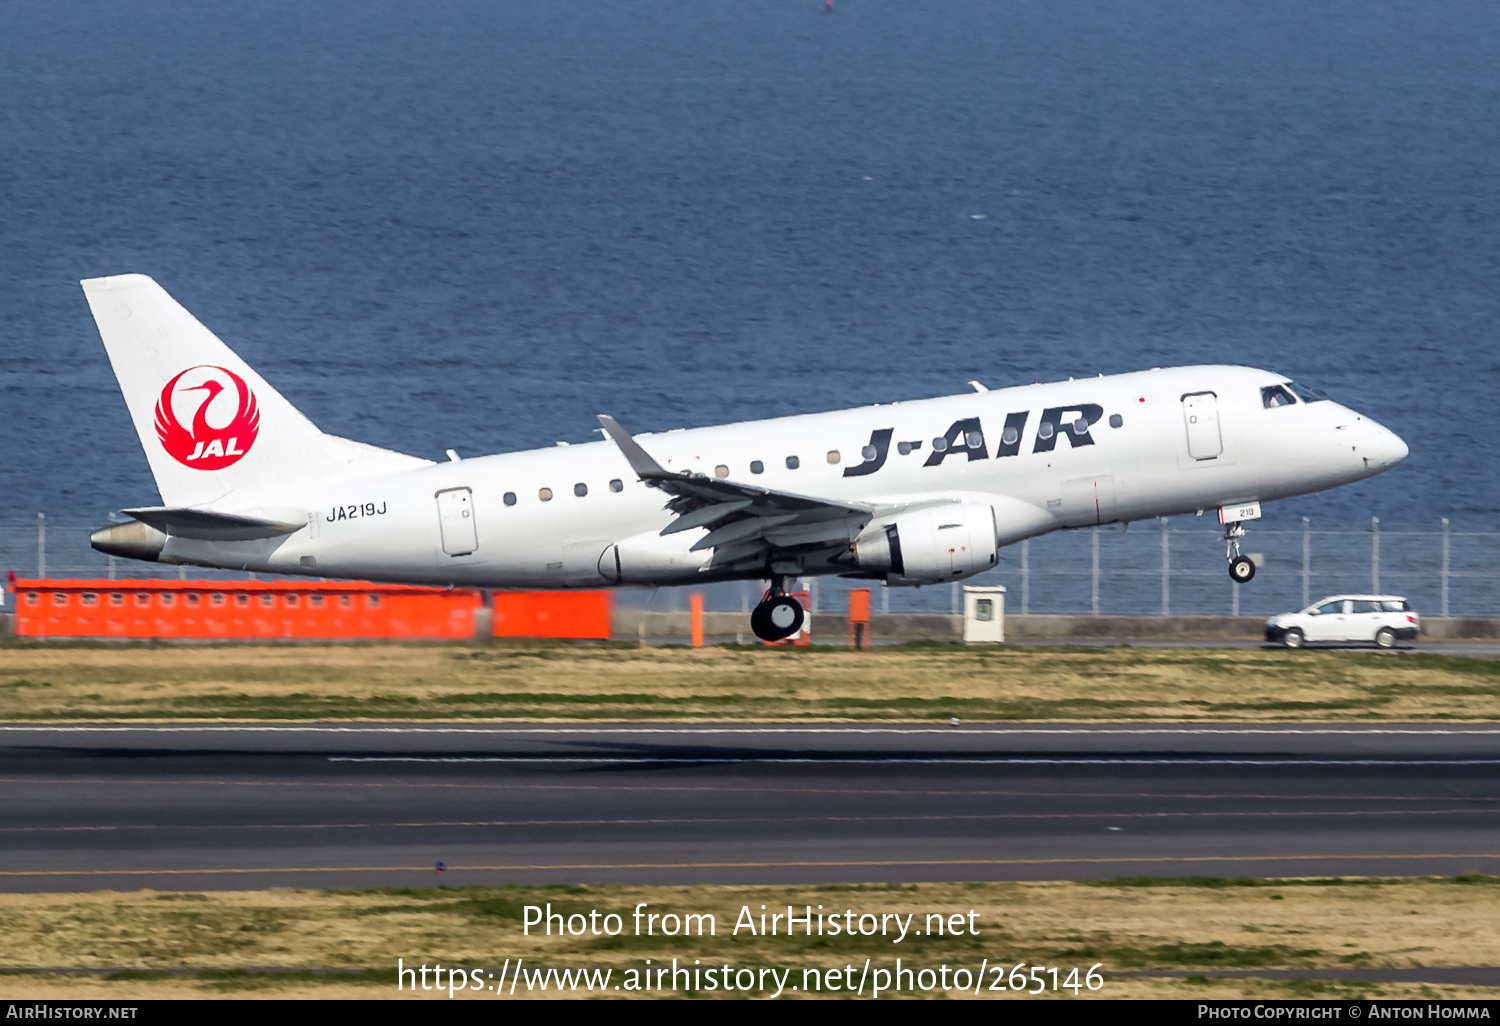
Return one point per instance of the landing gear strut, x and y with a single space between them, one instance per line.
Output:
778 616
1241 568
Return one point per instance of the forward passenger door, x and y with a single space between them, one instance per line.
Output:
1200 416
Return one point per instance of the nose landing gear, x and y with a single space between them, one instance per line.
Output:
1241 568
778 616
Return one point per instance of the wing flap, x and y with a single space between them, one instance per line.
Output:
739 530
705 516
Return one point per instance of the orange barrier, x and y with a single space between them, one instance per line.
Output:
551 614
240 609
695 606
859 616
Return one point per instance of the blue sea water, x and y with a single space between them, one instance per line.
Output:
476 224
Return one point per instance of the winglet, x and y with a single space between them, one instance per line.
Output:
640 460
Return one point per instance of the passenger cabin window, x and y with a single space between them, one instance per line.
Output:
509 498
90 599
757 467
191 599
545 494
792 463
721 471
869 452
833 456
904 448
116 599
1307 395
1010 436
168 600
1115 420
975 439
216 600
940 445
1046 430
242 600
1273 396
268 600
616 485
1328 608
580 489
1080 426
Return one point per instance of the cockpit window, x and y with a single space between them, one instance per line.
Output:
1274 395
1307 395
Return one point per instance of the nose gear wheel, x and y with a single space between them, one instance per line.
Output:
1241 568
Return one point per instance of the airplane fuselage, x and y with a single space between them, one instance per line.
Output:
1044 457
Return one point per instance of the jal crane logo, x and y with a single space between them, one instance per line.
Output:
220 410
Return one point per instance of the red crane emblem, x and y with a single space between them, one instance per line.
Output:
222 431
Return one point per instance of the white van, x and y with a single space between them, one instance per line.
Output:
1383 619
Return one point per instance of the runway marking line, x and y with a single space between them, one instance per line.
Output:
611 789
899 760
871 863
837 730
691 820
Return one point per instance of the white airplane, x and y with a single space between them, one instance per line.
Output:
909 493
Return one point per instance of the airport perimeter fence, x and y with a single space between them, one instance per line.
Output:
1161 567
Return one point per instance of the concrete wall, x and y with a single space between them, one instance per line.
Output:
832 628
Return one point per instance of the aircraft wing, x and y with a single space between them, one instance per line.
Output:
745 522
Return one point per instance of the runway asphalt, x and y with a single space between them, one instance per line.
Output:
256 805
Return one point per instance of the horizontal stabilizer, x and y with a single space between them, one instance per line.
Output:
210 526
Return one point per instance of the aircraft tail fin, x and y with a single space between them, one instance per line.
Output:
210 425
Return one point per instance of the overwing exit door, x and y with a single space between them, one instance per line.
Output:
1200 414
456 519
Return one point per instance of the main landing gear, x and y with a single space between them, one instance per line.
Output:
1241 568
778 616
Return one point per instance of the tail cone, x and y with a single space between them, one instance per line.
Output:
133 540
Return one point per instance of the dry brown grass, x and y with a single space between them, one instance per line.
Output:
561 681
1203 925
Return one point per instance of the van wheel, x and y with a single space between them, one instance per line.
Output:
1293 638
1385 638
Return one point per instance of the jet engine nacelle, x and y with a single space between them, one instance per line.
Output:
652 559
941 543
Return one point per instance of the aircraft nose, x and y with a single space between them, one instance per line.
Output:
1385 448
